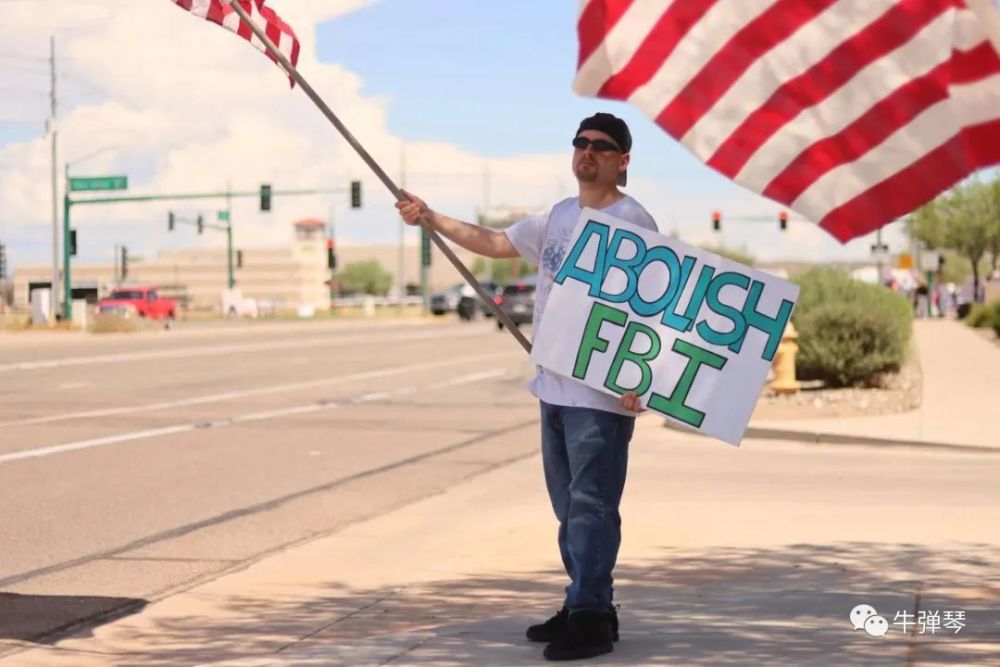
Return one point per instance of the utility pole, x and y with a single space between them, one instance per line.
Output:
229 233
54 136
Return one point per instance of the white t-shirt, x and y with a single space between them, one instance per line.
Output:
544 239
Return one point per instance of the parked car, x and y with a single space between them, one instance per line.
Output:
446 301
138 301
517 301
469 303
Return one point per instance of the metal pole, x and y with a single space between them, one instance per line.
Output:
378 171
425 292
54 133
67 270
229 235
229 245
878 256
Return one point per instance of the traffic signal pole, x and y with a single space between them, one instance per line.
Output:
229 253
68 203
67 304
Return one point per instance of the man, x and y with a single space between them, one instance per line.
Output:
585 433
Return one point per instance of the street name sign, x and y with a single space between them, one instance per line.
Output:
91 183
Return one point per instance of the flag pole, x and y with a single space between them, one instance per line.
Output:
374 166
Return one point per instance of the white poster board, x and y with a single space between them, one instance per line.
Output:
692 333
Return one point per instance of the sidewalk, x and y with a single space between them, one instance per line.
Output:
960 406
731 556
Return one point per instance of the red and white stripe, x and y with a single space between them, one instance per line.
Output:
850 112
279 32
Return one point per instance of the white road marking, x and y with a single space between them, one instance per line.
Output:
476 377
65 386
53 450
229 395
209 350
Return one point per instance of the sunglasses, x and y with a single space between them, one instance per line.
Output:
600 145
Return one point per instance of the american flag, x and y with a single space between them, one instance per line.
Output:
851 112
279 32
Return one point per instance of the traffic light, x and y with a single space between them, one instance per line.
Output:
716 221
265 197
355 194
783 220
170 221
239 259
201 224
124 262
331 255
3 261
425 248
72 243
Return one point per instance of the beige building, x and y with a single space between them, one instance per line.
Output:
283 277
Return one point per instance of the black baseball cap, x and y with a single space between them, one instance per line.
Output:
615 128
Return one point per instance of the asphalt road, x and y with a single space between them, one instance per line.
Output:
132 466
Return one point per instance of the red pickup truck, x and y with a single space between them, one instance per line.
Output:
138 301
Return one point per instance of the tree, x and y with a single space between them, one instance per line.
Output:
367 277
993 199
966 220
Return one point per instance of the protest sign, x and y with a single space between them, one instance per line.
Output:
692 333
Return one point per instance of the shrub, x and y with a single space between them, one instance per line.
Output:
365 277
847 344
984 316
849 331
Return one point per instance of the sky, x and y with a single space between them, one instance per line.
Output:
469 104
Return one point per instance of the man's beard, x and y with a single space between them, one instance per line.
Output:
585 172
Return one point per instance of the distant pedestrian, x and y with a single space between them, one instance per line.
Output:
946 300
585 433
921 297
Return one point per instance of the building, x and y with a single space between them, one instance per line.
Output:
280 277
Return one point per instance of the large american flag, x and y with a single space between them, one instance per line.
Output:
851 112
279 32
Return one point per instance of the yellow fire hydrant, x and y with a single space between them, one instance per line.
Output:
784 381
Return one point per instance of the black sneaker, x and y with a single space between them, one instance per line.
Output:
588 634
552 628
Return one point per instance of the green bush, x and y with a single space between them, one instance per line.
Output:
984 316
849 331
365 277
847 345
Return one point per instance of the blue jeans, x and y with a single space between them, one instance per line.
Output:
585 456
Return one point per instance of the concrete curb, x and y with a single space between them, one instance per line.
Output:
821 438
